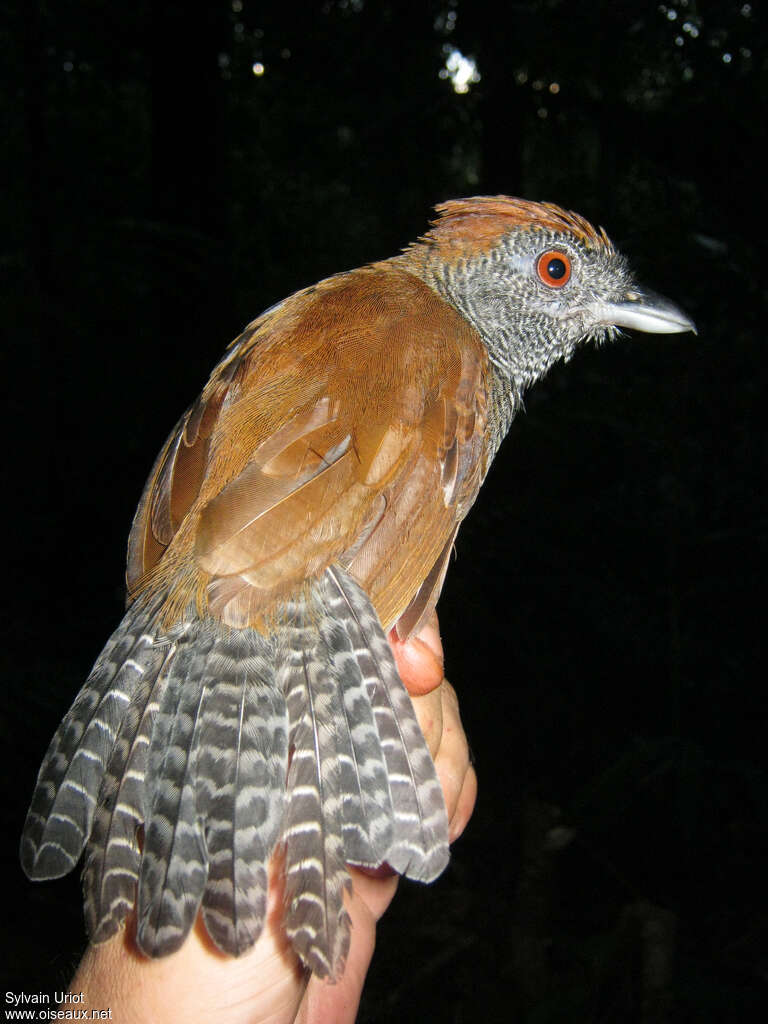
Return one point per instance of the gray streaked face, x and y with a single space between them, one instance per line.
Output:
539 293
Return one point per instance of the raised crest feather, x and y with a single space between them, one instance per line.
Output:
481 221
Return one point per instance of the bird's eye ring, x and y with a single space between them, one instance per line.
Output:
554 268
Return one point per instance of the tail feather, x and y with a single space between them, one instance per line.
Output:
61 812
111 870
362 787
200 760
241 788
315 873
420 847
174 862
420 844
367 813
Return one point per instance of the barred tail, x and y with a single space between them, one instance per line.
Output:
219 743
62 810
214 792
362 786
184 734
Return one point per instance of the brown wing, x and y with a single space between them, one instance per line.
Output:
176 478
347 425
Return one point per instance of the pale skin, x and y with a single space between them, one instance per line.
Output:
268 984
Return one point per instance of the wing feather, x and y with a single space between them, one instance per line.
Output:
347 426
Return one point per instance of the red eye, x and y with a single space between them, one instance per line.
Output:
554 268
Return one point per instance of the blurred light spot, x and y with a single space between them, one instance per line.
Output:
743 50
713 245
727 58
237 6
223 60
521 77
672 14
542 112
68 65
258 69
537 84
446 21
461 70
554 88
746 10
679 40
285 54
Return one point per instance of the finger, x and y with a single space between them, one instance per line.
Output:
452 758
420 658
465 805
429 712
375 887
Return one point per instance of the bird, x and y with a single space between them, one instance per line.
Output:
303 507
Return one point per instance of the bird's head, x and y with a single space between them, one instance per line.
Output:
535 281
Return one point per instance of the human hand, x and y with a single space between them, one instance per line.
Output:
268 983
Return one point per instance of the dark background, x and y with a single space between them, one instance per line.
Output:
604 618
